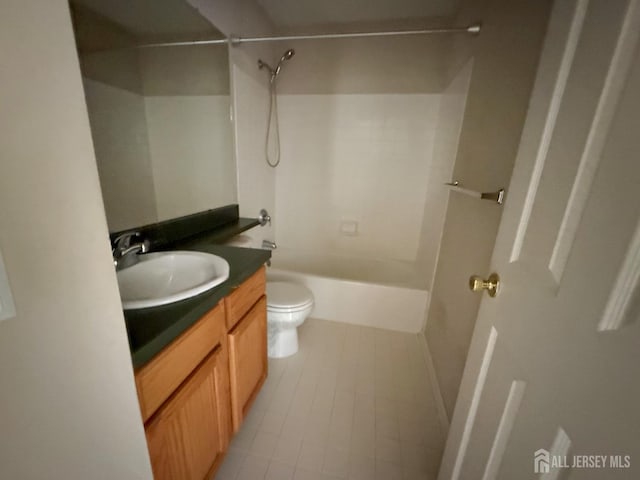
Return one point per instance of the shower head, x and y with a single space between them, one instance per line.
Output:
275 71
287 55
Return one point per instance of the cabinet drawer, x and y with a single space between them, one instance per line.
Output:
244 297
247 360
158 379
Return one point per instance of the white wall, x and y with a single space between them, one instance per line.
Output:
190 144
505 57
250 97
440 171
400 65
369 133
68 405
181 71
121 143
256 180
235 17
187 107
161 125
361 158
113 92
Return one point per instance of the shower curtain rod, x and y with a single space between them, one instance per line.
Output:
472 29
475 29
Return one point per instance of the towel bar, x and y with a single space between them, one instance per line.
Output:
497 196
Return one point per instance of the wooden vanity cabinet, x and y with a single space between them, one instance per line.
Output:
247 322
198 390
185 402
188 437
159 378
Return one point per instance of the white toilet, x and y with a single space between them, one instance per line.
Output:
288 306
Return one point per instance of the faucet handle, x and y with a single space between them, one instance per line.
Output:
264 218
124 240
123 249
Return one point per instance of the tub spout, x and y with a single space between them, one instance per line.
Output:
269 245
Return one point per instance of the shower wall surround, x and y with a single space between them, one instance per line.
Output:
369 132
360 158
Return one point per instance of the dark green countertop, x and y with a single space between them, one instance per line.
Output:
152 329
224 233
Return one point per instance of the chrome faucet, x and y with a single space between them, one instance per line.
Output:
125 253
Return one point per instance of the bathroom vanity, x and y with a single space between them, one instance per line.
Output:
199 365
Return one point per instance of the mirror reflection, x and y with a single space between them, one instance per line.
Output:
160 117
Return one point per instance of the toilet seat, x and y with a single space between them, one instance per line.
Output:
298 308
287 297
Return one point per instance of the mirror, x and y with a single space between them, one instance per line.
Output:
160 116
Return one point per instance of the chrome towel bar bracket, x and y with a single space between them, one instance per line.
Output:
497 196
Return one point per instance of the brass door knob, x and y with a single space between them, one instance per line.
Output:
491 284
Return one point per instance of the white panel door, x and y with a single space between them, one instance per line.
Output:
555 358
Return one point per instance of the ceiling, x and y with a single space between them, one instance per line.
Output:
299 13
153 18
176 18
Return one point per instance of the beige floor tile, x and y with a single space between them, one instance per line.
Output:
263 444
253 468
272 422
336 462
311 455
279 471
361 467
354 403
387 470
287 450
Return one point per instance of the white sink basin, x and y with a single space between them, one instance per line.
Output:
167 277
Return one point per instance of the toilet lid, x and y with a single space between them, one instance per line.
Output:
287 295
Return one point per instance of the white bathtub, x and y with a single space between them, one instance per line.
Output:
382 294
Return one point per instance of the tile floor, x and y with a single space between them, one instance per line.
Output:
354 403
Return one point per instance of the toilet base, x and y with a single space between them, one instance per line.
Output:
282 343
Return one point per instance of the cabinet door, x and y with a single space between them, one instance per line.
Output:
239 302
157 380
189 434
247 360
